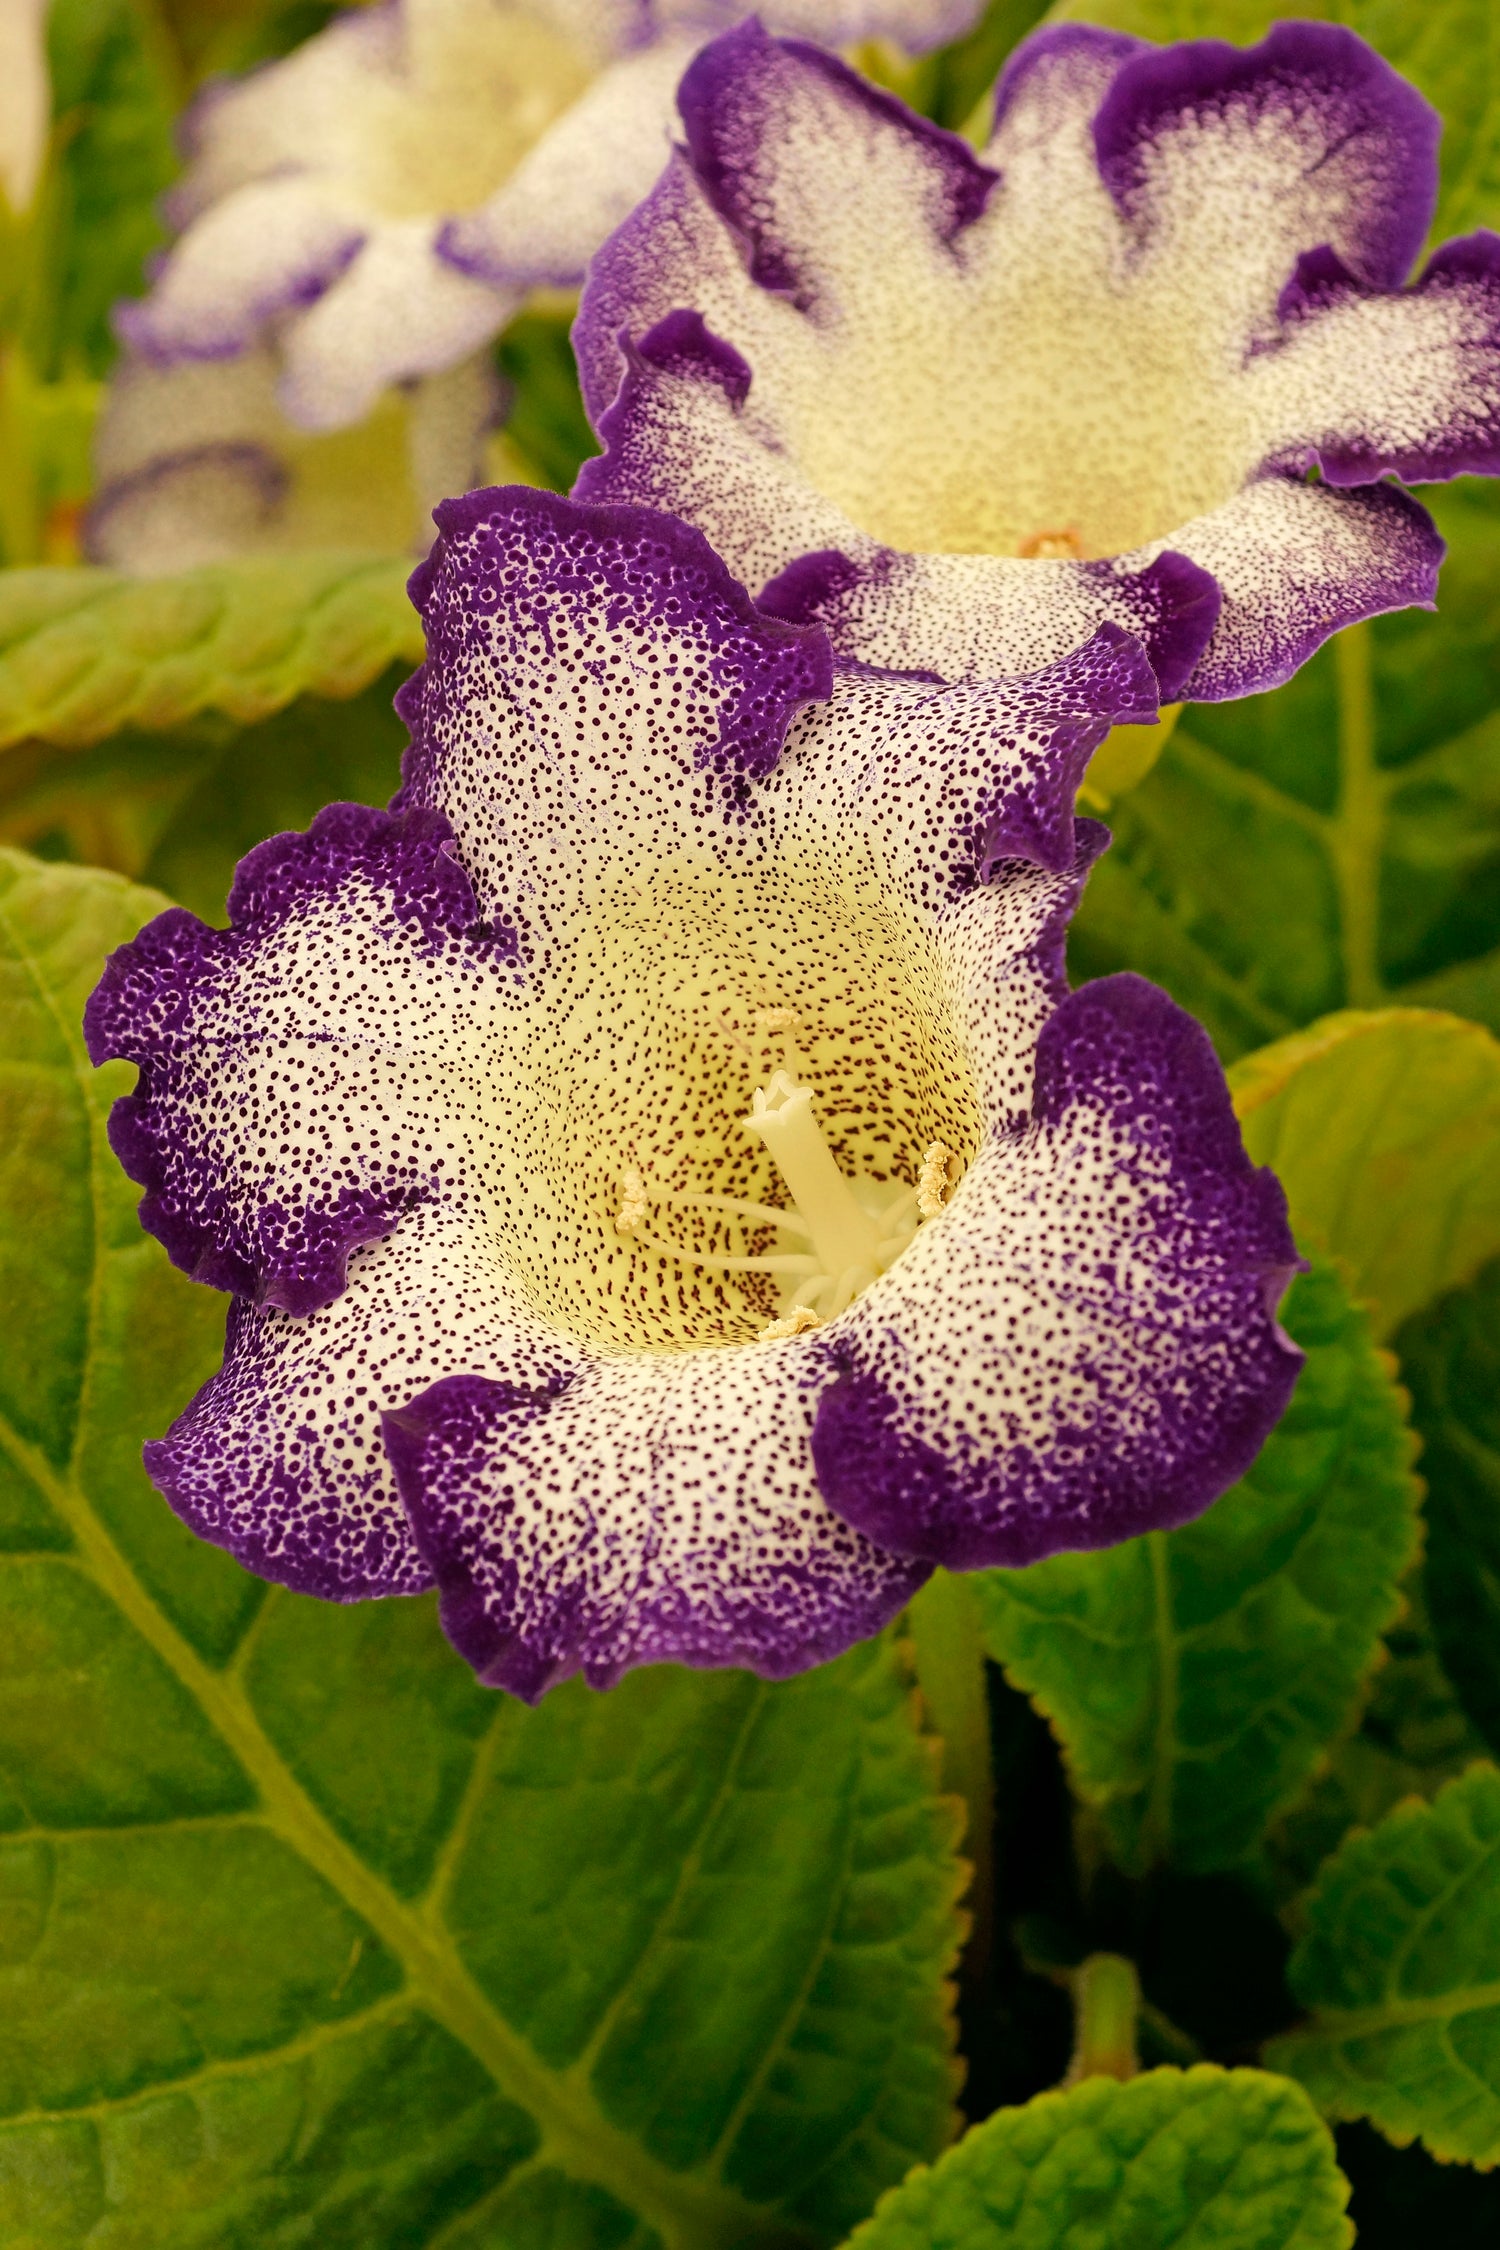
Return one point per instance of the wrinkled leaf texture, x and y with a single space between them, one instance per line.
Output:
1195 1677
1400 1967
1201 2159
304 1936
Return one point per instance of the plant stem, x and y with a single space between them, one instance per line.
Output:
1106 2002
943 1622
1357 824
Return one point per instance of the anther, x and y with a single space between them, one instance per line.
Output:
797 1322
633 1203
939 1173
1052 546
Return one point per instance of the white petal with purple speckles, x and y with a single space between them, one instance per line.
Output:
648 1032
1175 272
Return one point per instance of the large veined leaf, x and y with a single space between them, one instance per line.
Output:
1195 1677
1200 2159
1452 52
305 1937
1451 1358
1384 1129
86 653
1413 1737
178 809
1334 844
1400 1967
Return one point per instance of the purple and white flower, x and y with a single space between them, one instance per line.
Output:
670 1196
1153 357
317 200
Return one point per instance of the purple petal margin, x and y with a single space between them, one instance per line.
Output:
1122 1048
143 1011
521 569
726 96
1467 267
1367 103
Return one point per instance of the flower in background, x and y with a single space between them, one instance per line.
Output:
197 463
25 100
1151 359
670 1195
316 202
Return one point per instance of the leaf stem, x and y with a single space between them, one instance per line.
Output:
1358 822
1106 2002
944 1624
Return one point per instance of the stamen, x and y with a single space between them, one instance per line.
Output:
798 1322
772 1021
633 1203
764 1214
939 1173
792 1262
1052 546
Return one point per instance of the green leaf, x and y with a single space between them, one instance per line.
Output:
1450 52
1333 844
1451 1359
1400 1967
114 103
87 653
1383 1129
307 1938
545 420
1201 2159
179 809
1413 1737
1195 1677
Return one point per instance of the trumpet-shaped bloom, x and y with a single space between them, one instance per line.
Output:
1152 358
319 192
670 1196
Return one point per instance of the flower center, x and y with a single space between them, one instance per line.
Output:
846 1232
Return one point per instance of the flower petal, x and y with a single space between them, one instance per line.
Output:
655 1508
1405 381
275 245
1297 562
1082 1347
1310 138
546 624
399 311
279 1458
583 177
301 1082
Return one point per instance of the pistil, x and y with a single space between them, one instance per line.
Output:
845 1238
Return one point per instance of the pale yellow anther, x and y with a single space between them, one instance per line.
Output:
1052 546
773 1021
633 1203
797 1322
939 1173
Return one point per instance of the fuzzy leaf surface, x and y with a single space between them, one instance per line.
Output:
1451 1359
86 653
1201 2159
1195 1677
307 1938
1400 1968
1384 1129
1336 843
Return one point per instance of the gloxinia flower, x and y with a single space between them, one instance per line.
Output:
196 463
1151 359
318 189
670 1196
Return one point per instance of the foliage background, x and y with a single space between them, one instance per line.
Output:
306 1940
